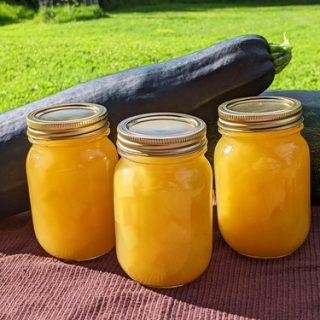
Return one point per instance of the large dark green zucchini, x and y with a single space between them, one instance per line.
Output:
196 83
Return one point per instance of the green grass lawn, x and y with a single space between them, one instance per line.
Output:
39 59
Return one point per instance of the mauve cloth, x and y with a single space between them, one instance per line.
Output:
34 285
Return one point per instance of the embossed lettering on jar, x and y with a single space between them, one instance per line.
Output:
262 174
163 199
70 177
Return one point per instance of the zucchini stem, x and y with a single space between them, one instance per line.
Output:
281 54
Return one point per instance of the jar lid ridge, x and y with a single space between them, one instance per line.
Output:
161 134
67 121
267 113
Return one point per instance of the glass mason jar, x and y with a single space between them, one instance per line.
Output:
163 199
70 177
262 175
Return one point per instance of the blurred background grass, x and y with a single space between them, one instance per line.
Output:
40 55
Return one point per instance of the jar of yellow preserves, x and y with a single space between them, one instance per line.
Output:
70 177
163 199
262 175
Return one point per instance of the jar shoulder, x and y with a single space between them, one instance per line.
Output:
161 169
284 151
231 144
68 153
132 162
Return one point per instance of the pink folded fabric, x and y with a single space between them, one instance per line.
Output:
34 285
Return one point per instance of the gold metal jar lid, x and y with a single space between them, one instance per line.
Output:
67 121
253 114
161 135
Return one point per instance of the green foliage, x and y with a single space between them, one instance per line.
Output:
66 13
13 13
39 59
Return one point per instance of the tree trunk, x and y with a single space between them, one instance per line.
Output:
104 4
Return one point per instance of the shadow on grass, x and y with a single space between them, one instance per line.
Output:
186 5
7 20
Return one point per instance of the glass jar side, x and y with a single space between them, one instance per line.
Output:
71 193
163 218
263 191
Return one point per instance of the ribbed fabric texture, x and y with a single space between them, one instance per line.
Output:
34 285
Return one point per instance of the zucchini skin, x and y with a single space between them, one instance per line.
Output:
196 83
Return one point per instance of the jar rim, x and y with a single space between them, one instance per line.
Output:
255 114
161 134
67 121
